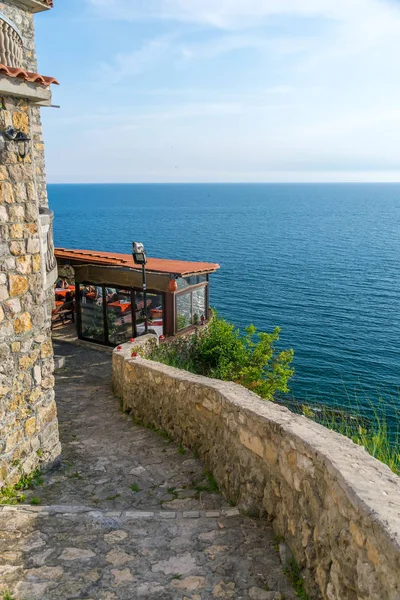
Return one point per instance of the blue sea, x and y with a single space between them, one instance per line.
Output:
320 261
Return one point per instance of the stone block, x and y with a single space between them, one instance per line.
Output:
16 231
3 214
17 248
20 173
6 193
32 245
36 263
59 362
16 213
21 121
47 414
31 192
23 323
252 442
23 264
46 349
30 427
18 285
48 382
26 362
3 292
12 440
30 229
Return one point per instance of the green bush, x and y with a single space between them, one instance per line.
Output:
222 352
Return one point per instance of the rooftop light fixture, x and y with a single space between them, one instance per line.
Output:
139 254
140 258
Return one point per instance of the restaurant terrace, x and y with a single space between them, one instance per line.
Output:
104 291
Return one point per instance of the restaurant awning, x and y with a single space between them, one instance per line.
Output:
161 266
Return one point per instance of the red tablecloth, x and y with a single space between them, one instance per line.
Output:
63 291
123 306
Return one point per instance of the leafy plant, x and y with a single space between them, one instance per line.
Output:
14 495
222 352
7 596
135 488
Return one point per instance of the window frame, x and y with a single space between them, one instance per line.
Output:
189 290
131 290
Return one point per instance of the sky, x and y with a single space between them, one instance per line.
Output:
222 90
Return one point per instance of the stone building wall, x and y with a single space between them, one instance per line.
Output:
24 20
28 416
336 506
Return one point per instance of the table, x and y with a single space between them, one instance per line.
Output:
122 306
64 291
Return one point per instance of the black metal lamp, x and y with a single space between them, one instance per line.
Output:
16 135
140 258
23 143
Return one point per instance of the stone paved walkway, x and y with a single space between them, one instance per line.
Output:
128 514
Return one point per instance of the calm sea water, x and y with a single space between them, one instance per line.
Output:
320 261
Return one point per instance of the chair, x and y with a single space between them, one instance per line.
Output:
62 313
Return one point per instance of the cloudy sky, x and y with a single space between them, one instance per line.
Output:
222 90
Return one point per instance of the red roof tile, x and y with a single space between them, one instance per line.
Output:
26 75
181 268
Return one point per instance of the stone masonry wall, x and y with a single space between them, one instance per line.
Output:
24 20
28 416
337 507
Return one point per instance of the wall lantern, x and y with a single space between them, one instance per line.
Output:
18 136
140 258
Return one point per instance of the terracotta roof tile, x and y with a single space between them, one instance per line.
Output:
26 75
181 268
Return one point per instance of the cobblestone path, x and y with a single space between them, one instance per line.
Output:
129 514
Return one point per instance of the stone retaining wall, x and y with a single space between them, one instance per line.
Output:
337 507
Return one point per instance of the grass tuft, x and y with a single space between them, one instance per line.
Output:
212 485
181 449
366 424
292 570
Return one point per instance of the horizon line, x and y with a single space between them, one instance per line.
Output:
223 182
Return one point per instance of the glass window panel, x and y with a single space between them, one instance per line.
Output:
184 282
155 313
92 318
199 305
184 310
119 315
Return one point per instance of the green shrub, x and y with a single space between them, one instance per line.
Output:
222 352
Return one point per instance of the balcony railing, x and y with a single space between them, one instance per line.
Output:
11 44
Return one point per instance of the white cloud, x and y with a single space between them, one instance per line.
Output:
238 14
287 106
